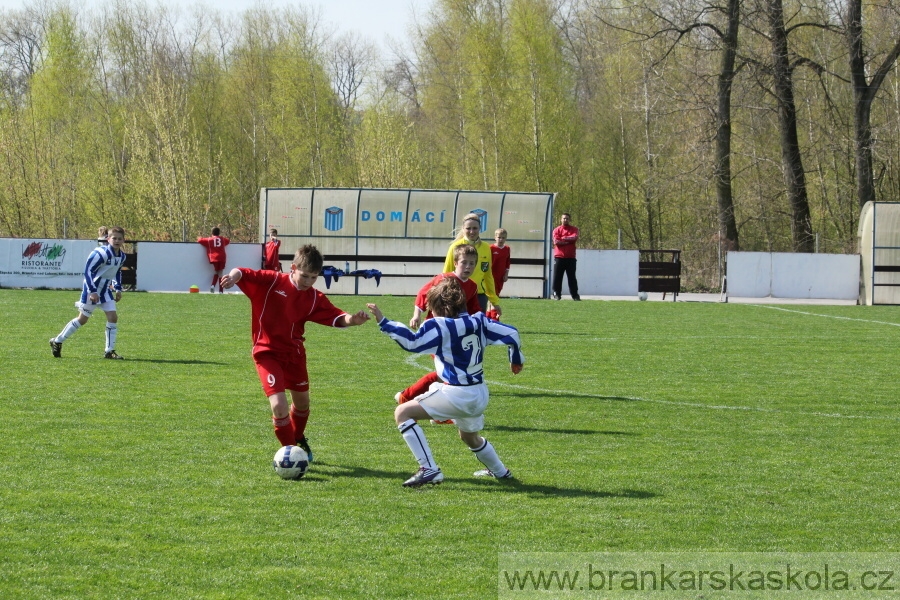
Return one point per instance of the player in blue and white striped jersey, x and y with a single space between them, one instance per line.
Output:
102 287
457 340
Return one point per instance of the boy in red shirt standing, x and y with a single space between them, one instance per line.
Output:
273 246
500 262
215 251
281 304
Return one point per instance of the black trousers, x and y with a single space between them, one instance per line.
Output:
567 266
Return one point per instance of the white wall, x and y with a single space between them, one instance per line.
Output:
604 273
171 266
790 275
176 266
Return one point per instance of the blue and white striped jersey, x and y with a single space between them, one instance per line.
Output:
102 268
457 344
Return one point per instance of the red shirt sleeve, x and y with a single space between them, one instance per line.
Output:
421 296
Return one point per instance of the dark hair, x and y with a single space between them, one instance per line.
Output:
273 231
215 231
446 298
309 259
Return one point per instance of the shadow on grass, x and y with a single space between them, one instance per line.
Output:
579 395
552 491
335 471
550 333
482 485
563 431
187 361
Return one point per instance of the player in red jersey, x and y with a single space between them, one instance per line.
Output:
273 246
215 251
465 258
281 304
500 262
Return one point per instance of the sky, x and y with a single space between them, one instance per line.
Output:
374 19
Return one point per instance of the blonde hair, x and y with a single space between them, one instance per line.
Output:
461 233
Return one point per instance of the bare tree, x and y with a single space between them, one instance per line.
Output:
791 159
728 231
864 92
20 50
351 62
678 23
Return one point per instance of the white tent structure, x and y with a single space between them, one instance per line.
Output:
879 247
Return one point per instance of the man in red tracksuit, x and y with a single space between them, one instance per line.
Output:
564 238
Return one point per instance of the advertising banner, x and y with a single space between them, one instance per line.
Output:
43 263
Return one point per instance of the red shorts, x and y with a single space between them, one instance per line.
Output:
281 371
218 265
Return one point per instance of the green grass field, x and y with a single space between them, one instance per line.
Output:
635 426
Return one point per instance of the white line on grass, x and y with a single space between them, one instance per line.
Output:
412 360
801 312
693 404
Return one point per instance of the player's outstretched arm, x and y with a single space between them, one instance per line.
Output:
228 281
357 318
376 312
416 318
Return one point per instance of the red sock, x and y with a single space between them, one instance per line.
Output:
298 420
284 430
421 386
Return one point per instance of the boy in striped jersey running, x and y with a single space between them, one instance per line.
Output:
102 287
457 340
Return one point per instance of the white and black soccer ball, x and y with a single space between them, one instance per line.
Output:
642 295
290 462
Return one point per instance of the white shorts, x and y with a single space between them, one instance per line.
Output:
464 403
87 308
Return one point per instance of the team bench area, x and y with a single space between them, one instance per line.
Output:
660 271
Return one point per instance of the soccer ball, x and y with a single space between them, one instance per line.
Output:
642 295
290 462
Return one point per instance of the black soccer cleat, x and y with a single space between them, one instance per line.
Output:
304 443
112 354
56 348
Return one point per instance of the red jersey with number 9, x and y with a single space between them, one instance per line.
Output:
280 311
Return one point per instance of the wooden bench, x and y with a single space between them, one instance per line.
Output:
129 272
660 271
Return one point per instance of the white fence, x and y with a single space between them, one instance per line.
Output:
175 266
784 275
749 274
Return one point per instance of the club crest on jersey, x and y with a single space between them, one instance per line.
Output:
485 267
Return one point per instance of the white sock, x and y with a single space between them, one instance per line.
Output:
111 329
70 328
488 457
415 439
